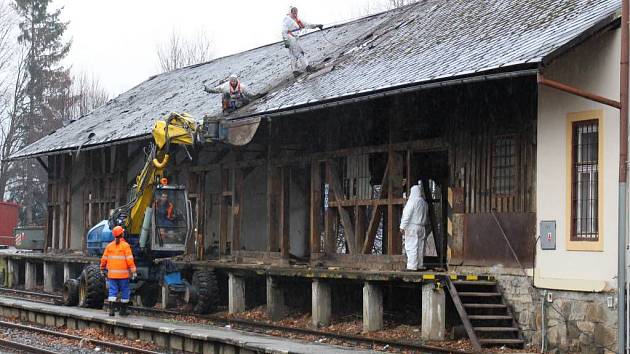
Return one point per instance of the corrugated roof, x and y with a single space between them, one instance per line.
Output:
430 40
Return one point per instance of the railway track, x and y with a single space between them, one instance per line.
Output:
262 327
14 346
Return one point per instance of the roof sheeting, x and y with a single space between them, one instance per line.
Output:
430 40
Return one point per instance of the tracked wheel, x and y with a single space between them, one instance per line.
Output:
205 284
91 287
71 292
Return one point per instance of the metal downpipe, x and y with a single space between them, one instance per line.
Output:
623 175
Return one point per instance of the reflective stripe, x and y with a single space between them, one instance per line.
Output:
118 271
129 257
111 299
116 257
124 301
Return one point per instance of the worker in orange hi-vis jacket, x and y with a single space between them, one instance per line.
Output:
118 261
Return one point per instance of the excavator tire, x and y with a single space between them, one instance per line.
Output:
150 294
71 292
91 288
205 282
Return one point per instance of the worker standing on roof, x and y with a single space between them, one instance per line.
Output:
118 260
235 94
413 228
291 27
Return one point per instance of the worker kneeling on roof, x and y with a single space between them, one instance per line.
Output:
118 261
413 228
291 27
235 94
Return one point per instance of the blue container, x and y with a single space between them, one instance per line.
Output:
174 278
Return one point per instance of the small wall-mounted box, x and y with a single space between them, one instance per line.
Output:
548 235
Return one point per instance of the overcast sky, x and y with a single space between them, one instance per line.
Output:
117 39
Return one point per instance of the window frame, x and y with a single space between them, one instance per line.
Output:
573 244
514 167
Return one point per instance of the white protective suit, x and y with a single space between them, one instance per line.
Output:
291 35
414 221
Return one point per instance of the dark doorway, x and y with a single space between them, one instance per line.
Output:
431 171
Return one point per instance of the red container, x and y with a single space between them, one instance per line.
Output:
9 213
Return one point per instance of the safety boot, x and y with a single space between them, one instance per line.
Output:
112 309
123 309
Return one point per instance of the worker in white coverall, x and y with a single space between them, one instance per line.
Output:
291 28
413 228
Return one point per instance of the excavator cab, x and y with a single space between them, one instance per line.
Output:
172 219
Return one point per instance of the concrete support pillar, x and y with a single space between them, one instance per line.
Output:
50 274
70 271
14 273
166 302
30 275
372 307
433 312
275 299
321 303
236 293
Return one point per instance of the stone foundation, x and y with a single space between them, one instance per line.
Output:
575 322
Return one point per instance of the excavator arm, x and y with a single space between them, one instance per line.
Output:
176 128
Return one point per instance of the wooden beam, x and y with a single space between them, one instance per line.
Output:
330 221
316 207
360 225
285 212
237 209
344 214
365 202
223 213
273 213
394 189
377 214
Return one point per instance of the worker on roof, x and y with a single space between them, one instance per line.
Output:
118 261
235 94
291 28
413 228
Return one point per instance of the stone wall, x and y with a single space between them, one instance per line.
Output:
575 322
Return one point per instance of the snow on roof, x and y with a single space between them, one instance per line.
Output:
426 41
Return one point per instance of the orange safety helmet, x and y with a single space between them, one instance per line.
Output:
118 231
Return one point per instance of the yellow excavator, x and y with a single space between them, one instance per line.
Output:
158 223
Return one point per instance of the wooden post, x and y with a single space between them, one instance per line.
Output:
237 209
316 205
284 203
359 231
336 190
330 246
273 213
223 212
394 190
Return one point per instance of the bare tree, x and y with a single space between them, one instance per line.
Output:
178 52
7 44
89 92
12 124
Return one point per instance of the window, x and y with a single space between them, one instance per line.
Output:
504 165
584 181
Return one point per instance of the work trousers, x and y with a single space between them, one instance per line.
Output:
415 243
298 58
118 285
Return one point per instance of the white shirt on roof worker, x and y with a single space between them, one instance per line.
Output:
292 25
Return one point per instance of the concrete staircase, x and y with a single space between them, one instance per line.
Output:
487 318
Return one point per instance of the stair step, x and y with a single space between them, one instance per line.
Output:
500 341
474 282
495 329
485 306
479 294
489 317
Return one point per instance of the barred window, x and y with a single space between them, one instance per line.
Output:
584 180
504 165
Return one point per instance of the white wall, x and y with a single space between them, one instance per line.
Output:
593 66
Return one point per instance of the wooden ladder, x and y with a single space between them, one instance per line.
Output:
487 318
